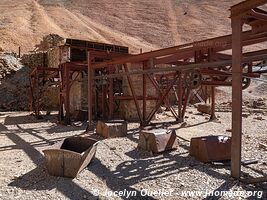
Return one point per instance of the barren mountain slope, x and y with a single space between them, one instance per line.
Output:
146 24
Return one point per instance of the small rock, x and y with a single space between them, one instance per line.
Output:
193 117
112 148
245 115
204 108
258 118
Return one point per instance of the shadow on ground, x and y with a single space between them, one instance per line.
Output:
142 168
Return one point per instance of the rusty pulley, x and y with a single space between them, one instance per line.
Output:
192 79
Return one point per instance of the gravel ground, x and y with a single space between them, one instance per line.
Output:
120 166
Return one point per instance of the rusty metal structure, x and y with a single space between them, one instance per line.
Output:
251 13
187 66
70 67
199 63
184 68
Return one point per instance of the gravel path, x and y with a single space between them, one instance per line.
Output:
119 165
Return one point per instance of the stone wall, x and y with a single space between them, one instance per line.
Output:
14 84
58 55
78 94
35 59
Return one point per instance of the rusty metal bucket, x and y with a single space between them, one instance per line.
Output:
70 156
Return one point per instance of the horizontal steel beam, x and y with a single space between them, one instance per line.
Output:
257 15
224 42
132 98
172 54
245 6
216 83
184 67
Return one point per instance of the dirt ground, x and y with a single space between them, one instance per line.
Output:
119 165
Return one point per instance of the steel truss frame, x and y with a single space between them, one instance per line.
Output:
205 56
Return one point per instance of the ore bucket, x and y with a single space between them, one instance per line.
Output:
70 156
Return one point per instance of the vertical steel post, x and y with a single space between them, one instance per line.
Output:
186 94
212 116
236 97
37 109
180 98
144 92
206 93
90 93
103 99
110 95
67 93
19 52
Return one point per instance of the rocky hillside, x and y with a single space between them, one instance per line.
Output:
146 24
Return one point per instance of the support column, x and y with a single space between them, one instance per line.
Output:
37 109
90 93
180 98
144 92
67 93
236 97
213 116
110 93
61 93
